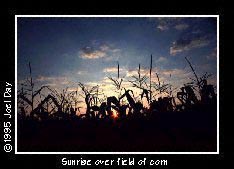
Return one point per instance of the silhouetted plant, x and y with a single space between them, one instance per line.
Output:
199 82
28 94
117 83
140 83
161 87
64 102
88 96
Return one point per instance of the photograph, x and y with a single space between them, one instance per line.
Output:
117 83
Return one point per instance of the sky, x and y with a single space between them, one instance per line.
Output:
65 51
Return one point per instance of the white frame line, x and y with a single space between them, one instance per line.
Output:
88 16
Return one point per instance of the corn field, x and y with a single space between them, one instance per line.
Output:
114 120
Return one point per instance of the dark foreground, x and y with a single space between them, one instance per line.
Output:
165 132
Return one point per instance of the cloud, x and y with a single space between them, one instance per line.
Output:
181 26
80 72
186 44
92 84
115 50
112 70
104 47
53 81
212 55
161 59
96 51
105 80
166 23
205 67
131 73
175 76
90 53
174 72
162 27
201 32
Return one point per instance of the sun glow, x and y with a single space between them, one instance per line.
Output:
114 113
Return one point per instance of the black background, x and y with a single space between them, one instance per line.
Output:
8 12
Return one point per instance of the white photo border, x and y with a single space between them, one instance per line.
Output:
88 16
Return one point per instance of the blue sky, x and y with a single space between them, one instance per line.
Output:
64 51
